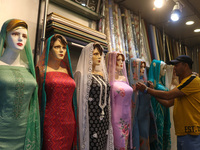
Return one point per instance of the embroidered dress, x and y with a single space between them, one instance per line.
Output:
90 126
121 94
16 88
18 93
59 121
121 113
98 122
58 105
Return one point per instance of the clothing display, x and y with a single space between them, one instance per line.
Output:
98 112
114 94
161 112
143 120
17 86
59 120
19 109
121 94
93 102
57 97
186 108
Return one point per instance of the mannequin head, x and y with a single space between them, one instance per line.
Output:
58 47
16 38
97 52
142 68
119 62
16 34
163 68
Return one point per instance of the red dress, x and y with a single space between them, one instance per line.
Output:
59 121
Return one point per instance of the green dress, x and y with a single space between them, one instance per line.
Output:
17 86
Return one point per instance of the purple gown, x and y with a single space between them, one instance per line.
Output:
121 113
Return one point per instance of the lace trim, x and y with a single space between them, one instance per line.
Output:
86 98
19 93
102 106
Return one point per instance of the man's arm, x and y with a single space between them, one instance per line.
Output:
166 95
166 103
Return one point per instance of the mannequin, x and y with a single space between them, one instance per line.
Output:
121 94
56 89
93 99
19 110
156 75
143 123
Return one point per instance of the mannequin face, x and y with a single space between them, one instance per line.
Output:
16 39
58 50
96 57
163 68
142 69
119 63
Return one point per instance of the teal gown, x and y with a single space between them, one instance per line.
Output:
17 86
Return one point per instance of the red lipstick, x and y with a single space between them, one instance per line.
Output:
19 44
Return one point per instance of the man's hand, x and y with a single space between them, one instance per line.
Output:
150 84
141 86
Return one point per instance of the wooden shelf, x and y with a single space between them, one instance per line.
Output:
77 8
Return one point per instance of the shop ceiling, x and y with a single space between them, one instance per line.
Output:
161 18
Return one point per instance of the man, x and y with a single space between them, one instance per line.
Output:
186 100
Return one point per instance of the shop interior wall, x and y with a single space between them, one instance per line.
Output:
26 10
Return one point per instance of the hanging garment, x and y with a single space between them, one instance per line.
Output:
143 122
161 112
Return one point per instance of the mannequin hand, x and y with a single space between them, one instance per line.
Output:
141 86
150 84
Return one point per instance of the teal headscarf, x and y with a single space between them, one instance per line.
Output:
161 113
32 139
42 71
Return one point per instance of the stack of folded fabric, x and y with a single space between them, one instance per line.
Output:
73 31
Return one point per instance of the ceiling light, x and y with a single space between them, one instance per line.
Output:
197 30
176 12
189 22
158 3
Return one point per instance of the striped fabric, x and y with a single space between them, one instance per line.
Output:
78 33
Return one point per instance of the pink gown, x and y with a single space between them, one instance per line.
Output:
121 113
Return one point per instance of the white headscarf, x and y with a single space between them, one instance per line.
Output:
83 79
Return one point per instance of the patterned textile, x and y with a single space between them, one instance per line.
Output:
121 94
98 123
83 78
131 44
121 113
16 88
59 121
161 112
41 69
32 135
124 30
143 122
